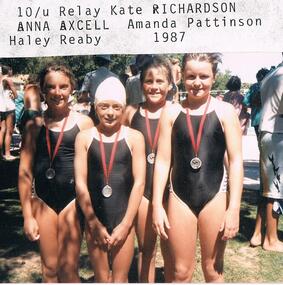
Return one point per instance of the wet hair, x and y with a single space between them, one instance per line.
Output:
58 68
261 74
157 62
213 58
234 83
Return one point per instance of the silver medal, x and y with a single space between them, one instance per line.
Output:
50 173
195 163
107 191
151 158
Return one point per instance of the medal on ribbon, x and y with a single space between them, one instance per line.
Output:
50 172
151 156
196 162
107 190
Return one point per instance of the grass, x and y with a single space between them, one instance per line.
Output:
20 263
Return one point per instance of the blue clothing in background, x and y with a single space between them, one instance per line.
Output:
252 100
19 102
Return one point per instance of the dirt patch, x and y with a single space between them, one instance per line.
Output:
25 268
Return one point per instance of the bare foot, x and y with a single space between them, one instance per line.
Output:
256 240
276 246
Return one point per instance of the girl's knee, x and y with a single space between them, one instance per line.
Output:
68 273
120 278
183 273
49 273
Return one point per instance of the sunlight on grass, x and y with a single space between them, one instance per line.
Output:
20 261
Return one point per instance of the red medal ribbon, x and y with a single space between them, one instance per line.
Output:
58 141
103 157
152 145
195 144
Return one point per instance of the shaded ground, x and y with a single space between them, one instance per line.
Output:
19 258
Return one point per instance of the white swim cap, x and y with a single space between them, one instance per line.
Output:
111 89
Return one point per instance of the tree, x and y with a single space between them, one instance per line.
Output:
221 80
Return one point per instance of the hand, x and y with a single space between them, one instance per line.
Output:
99 233
118 235
230 224
159 219
31 229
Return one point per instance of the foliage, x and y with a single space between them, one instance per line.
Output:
80 65
221 80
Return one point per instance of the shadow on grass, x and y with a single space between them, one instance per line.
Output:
14 244
12 241
9 173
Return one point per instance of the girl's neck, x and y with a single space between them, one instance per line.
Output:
56 115
108 132
152 108
195 104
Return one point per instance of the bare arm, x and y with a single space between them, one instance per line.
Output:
233 138
11 86
136 140
26 178
161 172
98 231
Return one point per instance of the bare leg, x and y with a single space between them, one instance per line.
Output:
168 261
182 238
98 259
69 241
167 257
212 247
2 136
271 240
9 132
47 220
256 239
147 243
121 259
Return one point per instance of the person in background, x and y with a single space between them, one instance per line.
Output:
253 100
134 91
83 104
46 161
176 73
235 97
271 150
8 94
32 104
94 78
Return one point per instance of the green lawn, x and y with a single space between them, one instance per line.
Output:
19 260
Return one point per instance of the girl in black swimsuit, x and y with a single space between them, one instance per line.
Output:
193 139
156 79
110 177
47 156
